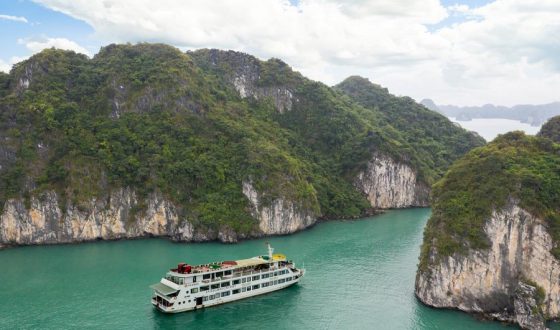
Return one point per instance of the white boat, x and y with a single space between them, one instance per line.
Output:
187 287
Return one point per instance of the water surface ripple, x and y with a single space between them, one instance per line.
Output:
360 276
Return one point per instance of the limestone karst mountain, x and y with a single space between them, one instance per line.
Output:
147 140
492 243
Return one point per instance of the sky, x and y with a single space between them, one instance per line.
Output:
455 52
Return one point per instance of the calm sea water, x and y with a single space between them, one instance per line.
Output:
360 276
489 128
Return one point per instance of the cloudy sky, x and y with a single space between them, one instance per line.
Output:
465 52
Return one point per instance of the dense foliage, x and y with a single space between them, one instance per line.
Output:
430 140
155 119
551 129
513 168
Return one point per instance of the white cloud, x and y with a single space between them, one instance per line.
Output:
14 18
4 67
37 45
504 52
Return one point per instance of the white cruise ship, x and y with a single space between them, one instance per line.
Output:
189 287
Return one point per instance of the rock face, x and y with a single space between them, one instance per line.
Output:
389 184
245 77
502 281
45 223
527 307
281 216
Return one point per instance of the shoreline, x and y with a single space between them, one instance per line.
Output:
374 213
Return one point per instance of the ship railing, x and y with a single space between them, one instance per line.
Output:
235 275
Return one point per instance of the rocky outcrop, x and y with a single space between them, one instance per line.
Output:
527 308
124 215
245 76
390 184
119 216
26 76
503 281
281 216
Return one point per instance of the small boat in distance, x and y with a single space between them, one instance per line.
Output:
190 287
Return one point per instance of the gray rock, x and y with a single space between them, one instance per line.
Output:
390 184
527 310
487 281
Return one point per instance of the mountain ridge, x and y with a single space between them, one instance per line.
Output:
212 144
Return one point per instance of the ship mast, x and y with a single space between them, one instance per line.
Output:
270 251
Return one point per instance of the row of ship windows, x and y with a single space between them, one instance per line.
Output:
235 282
247 289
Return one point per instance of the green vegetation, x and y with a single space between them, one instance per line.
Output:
551 129
430 141
512 168
154 119
539 295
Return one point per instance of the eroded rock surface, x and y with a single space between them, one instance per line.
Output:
390 184
495 282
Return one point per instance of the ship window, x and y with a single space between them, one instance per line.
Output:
224 284
219 274
243 280
204 288
281 281
275 282
225 294
265 275
194 279
243 289
205 299
227 272
249 279
214 286
256 278
236 282
194 290
275 273
235 291
248 288
206 276
256 287
264 285
180 280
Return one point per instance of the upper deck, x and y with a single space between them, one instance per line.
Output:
187 274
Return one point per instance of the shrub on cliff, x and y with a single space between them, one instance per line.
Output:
514 167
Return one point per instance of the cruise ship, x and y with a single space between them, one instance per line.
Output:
189 287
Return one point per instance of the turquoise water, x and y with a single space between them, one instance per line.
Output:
360 275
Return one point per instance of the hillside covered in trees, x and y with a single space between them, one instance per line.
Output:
196 126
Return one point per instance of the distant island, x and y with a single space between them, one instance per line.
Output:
534 115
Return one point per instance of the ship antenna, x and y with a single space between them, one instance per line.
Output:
270 250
